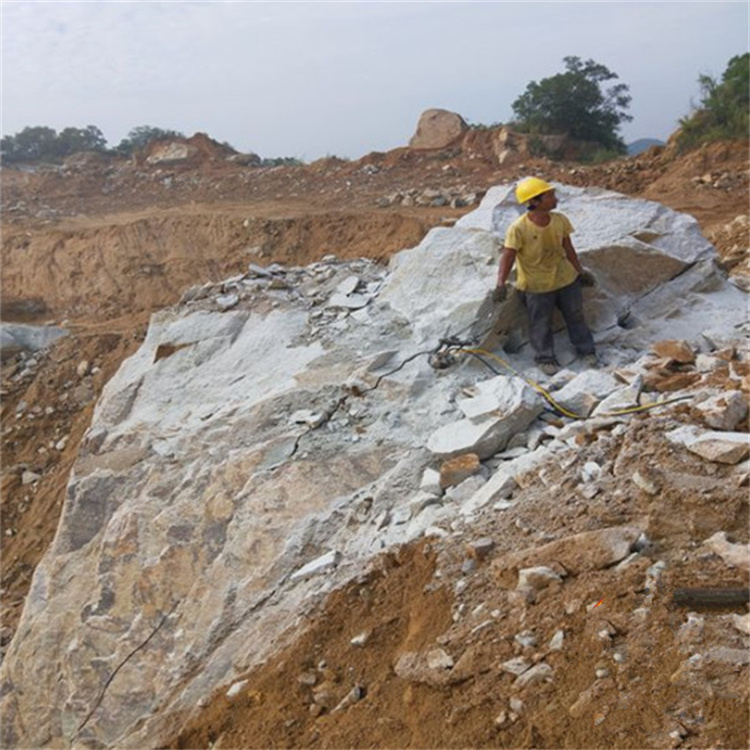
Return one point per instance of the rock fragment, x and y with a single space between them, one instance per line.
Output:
537 578
675 349
540 672
642 480
29 477
236 689
321 564
480 548
516 666
227 301
361 639
735 555
437 658
590 550
456 470
718 447
353 696
724 411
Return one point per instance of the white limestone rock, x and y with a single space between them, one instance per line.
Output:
585 391
194 499
466 489
631 246
431 482
621 399
317 566
724 411
718 447
348 285
499 394
502 408
462 271
541 672
236 689
735 555
516 666
227 301
348 301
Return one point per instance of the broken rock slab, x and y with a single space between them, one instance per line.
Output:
463 270
724 411
631 245
620 399
676 350
503 408
735 555
590 550
585 391
718 447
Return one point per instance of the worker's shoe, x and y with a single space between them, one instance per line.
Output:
590 360
549 367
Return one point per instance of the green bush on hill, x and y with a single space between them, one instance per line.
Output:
724 107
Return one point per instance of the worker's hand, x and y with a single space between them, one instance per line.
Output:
500 294
587 278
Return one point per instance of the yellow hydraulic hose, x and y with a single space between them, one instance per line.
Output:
538 388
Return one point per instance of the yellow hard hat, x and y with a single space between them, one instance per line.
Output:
530 188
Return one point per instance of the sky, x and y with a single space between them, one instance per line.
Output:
313 79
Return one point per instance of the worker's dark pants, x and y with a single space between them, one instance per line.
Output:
540 308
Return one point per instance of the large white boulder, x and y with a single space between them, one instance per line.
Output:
634 247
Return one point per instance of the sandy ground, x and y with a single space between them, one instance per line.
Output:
102 246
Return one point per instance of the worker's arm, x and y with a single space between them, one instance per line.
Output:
586 277
571 254
507 259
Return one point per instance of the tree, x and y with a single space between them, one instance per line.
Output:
44 144
73 140
141 136
724 108
573 103
31 144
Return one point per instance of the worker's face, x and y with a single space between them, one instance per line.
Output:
547 201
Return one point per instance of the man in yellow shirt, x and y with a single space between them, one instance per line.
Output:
549 273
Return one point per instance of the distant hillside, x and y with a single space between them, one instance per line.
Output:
636 147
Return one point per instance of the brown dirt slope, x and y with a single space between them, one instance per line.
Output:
626 658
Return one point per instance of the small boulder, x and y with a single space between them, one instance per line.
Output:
589 550
724 411
718 447
676 350
734 555
537 578
437 128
